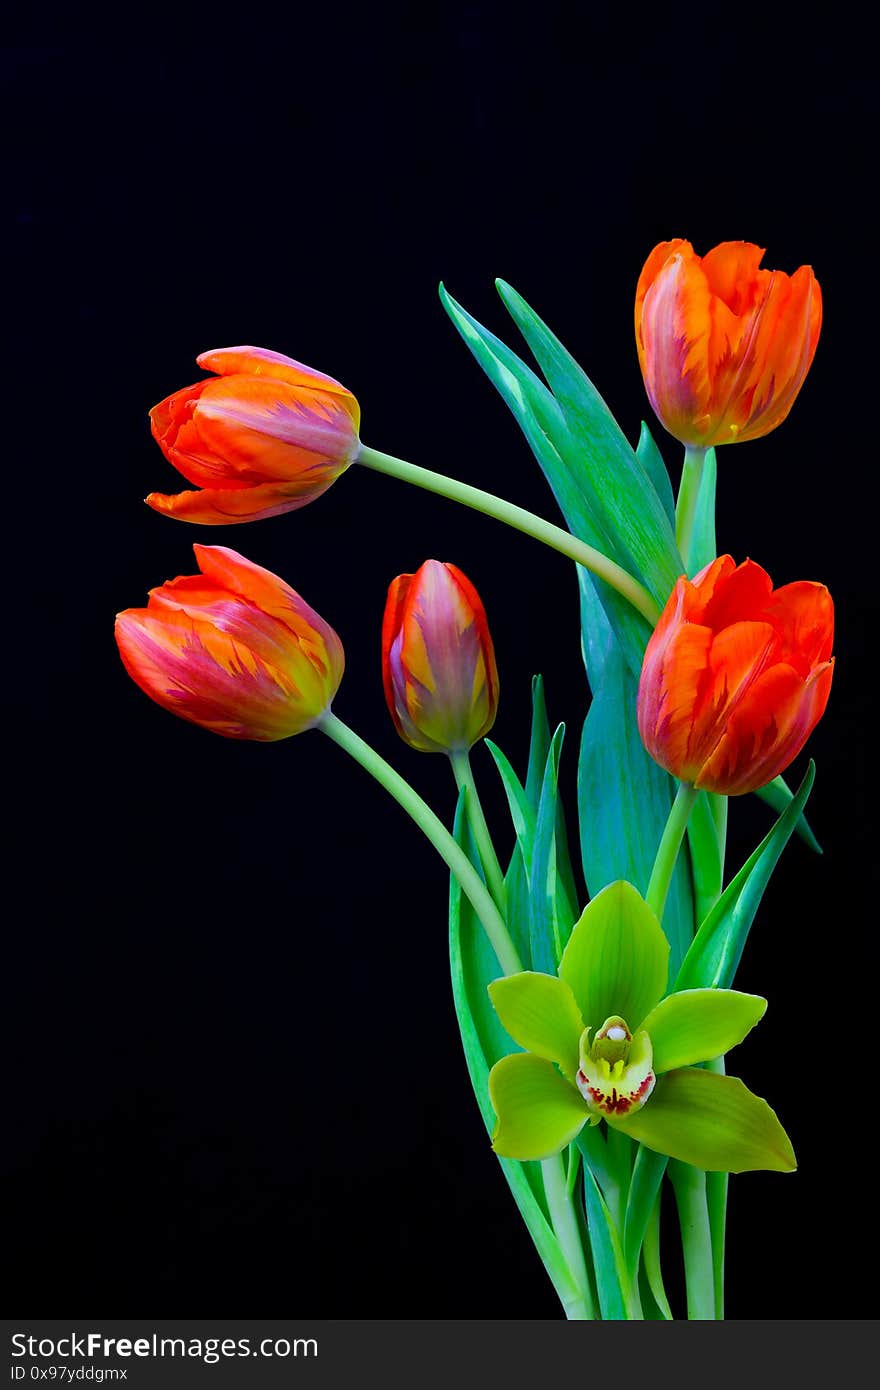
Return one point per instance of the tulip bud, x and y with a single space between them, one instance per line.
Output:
264 436
724 347
438 662
234 649
735 677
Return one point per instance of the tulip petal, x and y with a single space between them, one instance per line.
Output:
712 1122
538 1111
265 429
256 361
803 612
229 506
697 1025
617 958
540 1013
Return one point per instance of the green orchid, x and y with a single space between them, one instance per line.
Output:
604 1041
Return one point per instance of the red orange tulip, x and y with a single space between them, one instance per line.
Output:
234 649
264 436
724 346
736 676
438 661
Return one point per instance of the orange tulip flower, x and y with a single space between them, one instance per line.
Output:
264 436
438 661
736 676
724 347
234 649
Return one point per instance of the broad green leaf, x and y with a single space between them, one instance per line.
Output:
644 1193
702 547
625 799
539 1112
539 1012
777 796
601 460
551 914
705 852
716 950
544 426
651 459
698 1025
612 1278
712 1122
617 958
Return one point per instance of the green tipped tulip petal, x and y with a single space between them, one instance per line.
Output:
617 958
540 1013
539 1112
712 1122
699 1024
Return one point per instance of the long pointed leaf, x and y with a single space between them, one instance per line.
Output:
777 795
644 1192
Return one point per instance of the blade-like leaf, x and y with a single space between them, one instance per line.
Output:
539 744
777 796
551 915
625 799
603 464
612 1278
716 950
705 853
644 1192
712 1122
651 459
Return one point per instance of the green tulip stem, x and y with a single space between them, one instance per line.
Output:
696 1239
716 1204
593 560
565 1225
454 856
667 852
464 777
686 505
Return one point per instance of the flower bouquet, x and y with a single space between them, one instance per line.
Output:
596 1033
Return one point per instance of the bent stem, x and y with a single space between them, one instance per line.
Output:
667 850
686 504
464 777
430 824
521 520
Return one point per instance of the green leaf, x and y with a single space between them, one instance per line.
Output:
539 744
703 549
712 1122
698 1025
544 426
625 799
521 813
539 1012
716 950
651 459
644 1193
612 1278
601 460
551 914
516 890
539 1112
617 958
777 796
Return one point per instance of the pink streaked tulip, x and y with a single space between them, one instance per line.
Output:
736 676
264 436
438 662
233 649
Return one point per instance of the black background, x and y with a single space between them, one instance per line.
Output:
234 1079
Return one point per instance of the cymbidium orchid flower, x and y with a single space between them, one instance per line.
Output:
264 436
604 1041
438 661
736 676
724 346
233 649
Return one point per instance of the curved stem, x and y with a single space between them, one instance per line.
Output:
453 855
565 1225
686 505
667 851
464 777
563 541
696 1238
